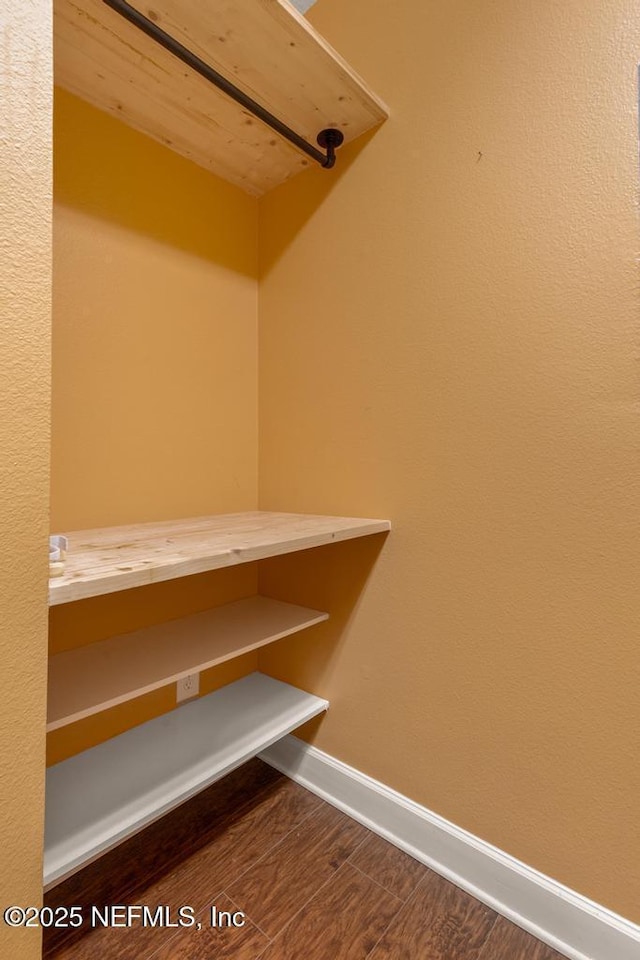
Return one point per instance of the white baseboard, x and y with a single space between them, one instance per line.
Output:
565 920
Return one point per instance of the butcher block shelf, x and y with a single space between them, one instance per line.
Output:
117 558
264 47
100 675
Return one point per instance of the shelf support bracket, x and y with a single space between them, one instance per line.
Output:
329 139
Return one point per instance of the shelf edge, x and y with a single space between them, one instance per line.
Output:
91 656
58 869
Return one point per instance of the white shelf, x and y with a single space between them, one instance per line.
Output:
266 48
117 558
98 676
98 798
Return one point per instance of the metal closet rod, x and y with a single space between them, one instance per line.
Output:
329 138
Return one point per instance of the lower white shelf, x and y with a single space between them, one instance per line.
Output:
101 797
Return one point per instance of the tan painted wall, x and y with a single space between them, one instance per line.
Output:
154 372
25 310
155 313
449 338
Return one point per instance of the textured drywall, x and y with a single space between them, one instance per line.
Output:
155 330
154 372
25 306
449 338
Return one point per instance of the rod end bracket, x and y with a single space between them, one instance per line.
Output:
329 139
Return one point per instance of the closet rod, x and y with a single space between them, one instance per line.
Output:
329 138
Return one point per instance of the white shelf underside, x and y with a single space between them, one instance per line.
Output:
101 797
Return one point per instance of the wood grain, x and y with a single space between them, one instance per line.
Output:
215 943
184 945
281 882
242 943
438 922
343 921
393 869
312 884
267 49
117 558
234 844
244 803
236 847
167 842
509 942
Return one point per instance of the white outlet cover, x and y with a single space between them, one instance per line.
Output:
187 687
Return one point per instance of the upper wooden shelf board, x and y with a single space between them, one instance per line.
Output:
264 47
118 558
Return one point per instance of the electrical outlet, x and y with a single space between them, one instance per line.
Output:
187 687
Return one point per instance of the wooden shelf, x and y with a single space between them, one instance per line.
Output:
117 558
265 47
98 798
98 676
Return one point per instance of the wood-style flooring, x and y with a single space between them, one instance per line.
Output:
301 880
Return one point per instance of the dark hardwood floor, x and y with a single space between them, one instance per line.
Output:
290 878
